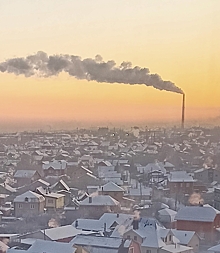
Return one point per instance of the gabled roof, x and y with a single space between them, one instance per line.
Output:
180 176
167 211
204 213
31 196
215 248
65 186
97 241
100 200
183 236
8 187
24 173
111 187
89 224
48 247
63 232
56 165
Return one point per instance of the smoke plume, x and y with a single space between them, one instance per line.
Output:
42 65
196 199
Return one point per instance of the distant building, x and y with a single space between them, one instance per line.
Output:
95 206
180 182
24 177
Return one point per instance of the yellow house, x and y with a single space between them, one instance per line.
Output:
53 201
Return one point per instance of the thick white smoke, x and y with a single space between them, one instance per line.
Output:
42 65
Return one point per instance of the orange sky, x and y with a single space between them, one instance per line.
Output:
179 41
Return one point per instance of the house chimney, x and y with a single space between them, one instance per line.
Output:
135 224
90 199
117 215
76 223
105 227
183 112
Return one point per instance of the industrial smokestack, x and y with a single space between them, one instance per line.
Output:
42 65
183 111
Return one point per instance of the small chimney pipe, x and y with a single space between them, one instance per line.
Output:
183 112
90 199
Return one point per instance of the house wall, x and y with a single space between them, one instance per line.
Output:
50 202
23 209
180 187
194 243
60 202
97 211
205 230
135 246
116 195
151 250
131 235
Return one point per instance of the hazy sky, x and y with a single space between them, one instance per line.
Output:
179 40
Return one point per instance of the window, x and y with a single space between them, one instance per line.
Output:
50 201
128 237
170 238
135 238
148 251
131 250
165 239
20 206
26 199
32 206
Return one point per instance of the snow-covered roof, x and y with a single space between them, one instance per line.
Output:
111 187
30 196
24 173
63 232
151 231
56 165
100 200
8 187
144 191
167 211
204 213
89 224
183 236
111 218
62 183
176 248
46 193
215 248
180 176
40 246
98 241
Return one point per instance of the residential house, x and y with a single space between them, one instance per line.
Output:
112 190
203 219
167 217
95 206
217 198
87 161
180 182
54 168
187 238
109 224
40 246
105 244
24 177
58 234
207 175
153 237
53 201
29 204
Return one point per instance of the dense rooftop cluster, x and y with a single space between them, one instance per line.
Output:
110 190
